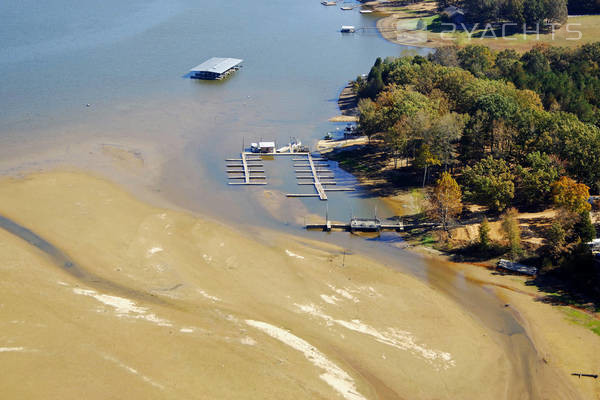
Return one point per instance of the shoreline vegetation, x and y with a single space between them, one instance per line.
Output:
419 24
390 164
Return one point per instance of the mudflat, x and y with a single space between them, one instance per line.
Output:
184 307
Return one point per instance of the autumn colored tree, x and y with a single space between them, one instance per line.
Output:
445 200
570 195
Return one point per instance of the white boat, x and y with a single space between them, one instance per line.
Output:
346 8
328 3
295 146
366 11
516 267
347 29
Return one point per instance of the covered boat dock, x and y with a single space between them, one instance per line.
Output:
215 68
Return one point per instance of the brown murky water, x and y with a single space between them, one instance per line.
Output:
129 68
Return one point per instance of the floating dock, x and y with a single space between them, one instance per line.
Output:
358 225
314 169
310 170
245 169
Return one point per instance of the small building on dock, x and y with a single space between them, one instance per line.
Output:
263 147
215 68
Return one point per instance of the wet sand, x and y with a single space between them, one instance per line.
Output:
237 315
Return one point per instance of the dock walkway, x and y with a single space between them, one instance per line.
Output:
247 168
313 171
359 225
316 170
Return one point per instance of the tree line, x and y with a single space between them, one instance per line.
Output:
577 7
566 79
463 120
530 12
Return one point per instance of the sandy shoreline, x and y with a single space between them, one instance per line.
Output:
359 321
221 276
275 314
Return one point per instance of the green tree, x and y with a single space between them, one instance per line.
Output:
397 102
584 227
484 235
514 10
482 10
556 241
396 140
425 159
369 119
556 11
374 82
536 179
489 182
443 135
510 226
476 59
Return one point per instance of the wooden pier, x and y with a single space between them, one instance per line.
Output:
358 225
246 170
313 171
315 168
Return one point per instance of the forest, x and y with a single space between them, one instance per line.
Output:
530 12
504 131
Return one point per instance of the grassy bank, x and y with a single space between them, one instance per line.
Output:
400 26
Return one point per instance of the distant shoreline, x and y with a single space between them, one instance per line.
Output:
588 25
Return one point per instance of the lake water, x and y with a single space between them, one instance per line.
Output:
56 57
128 61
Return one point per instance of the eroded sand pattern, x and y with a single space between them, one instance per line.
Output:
182 307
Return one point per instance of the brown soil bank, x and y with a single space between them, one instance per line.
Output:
228 316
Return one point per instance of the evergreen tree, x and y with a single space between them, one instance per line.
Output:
484 235
584 227
510 226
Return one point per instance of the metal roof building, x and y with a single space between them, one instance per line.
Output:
215 68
